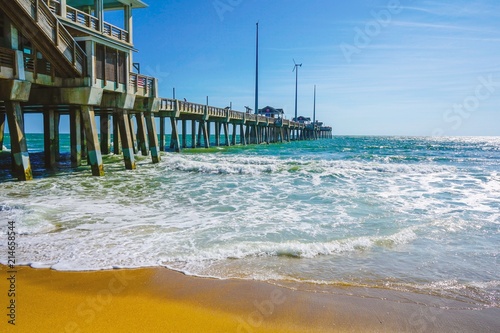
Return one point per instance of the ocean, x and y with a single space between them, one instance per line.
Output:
415 214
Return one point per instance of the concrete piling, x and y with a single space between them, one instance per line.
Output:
75 137
19 147
93 146
152 137
126 139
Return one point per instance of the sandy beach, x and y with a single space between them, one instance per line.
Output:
160 300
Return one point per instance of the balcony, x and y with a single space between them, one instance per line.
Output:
88 21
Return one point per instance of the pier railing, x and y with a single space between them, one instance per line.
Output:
220 114
38 66
7 58
88 21
81 18
142 85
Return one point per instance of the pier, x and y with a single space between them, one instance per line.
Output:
60 57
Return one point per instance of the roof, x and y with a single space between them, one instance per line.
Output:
108 4
270 109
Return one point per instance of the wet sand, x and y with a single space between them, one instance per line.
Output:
160 300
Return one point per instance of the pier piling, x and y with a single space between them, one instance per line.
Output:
2 129
135 143
174 139
49 133
141 134
153 138
193 133
105 133
162 133
19 146
93 146
126 139
75 137
116 136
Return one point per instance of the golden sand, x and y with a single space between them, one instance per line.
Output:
159 300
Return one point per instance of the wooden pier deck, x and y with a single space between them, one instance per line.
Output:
60 60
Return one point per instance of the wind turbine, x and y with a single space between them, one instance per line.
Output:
296 69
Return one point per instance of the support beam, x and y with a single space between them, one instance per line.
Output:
217 133
243 139
253 135
141 134
174 140
135 144
248 134
162 133
126 139
57 121
233 137
226 134
19 148
208 131
203 126
2 129
49 138
84 142
193 133
75 137
105 133
93 148
184 130
116 136
200 134
127 13
153 138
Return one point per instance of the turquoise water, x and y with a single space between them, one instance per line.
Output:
404 213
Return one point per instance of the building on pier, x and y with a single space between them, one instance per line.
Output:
62 57
303 120
271 112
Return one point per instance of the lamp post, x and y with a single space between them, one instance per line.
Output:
296 69
314 114
257 70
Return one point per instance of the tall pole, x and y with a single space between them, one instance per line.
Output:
314 114
296 69
296 81
314 109
257 71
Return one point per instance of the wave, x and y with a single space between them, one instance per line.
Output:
230 164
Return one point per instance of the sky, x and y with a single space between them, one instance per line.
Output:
381 67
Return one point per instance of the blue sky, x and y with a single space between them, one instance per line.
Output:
382 67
